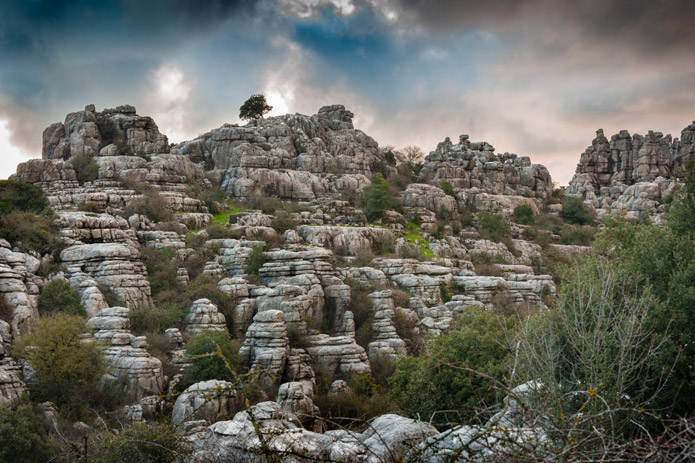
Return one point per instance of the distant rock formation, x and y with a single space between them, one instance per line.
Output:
631 175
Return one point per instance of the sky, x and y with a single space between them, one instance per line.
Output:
532 77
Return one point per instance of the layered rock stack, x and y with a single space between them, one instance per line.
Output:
126 357
19 288
266 346
631 174
385 339
204 316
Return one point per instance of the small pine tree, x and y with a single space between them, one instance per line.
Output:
254 108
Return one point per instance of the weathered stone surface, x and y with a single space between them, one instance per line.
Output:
126 358
12 388
204 316
116 266
212 401
266 346
296 397
19 287
291 157
346 240
385 342
468 166
338 354
631 174
390 437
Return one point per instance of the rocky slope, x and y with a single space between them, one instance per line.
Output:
329 293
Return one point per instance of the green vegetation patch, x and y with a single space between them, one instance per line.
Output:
422 244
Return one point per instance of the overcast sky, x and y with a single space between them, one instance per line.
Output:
532 77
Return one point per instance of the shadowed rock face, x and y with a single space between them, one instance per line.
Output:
631 173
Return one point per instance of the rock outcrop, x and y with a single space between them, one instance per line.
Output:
204 316
212 401
293 157
631 174
473 168
19 288
125 355
266 346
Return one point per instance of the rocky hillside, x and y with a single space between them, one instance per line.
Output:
304 256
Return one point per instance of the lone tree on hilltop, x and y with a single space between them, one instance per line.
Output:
255 107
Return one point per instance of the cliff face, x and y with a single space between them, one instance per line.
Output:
631 174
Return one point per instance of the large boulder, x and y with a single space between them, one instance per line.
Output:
212 401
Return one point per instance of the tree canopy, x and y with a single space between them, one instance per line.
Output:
255 107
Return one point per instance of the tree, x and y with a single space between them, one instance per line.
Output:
255 107
411 156
21 197
66 368
376 198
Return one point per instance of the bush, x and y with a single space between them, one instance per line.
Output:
21 197
86 169
255 261
448 189
30 232
523 214
22 436
574 234
283 221
459 371
493 226
596 343
153 205
223 366
59 296
575 212
66 369
376 198
142 443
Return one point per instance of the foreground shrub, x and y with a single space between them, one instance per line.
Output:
66 369
457 372
142 443
22 437
255 261
205 365
59 296
595 354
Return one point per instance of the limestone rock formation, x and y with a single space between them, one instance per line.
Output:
293 157
473 168
266 346
19 288
126 358
212 401
204 316
12 388
296 397
631 174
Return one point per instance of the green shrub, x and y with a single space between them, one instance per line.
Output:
66 369
59 296
142 443
574 234
523 214
376 198
154 206
575 212
86 169
22 436
448 188
297 339
21 197
460 372
28 231
283 221
390 157
219 232
493 226
205 365
255 261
